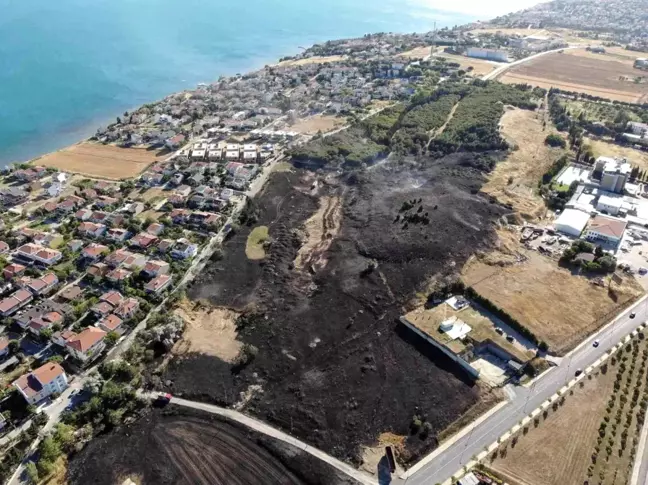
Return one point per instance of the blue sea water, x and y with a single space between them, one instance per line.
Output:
68 66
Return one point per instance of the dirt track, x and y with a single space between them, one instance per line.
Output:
188 447
334 366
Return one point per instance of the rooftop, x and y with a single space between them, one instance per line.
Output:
608 226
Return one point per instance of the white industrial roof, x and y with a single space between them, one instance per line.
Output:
459 328
573 218
611 201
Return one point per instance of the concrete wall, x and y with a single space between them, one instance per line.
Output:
462 363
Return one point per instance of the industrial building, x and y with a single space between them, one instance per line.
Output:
608 229
488 54
572 222
610 204
614 173
641 63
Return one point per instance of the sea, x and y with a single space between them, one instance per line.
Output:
70 66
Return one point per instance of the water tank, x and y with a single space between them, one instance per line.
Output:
446 326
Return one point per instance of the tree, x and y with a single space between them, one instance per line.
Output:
14 346
32 473
554 140
111 338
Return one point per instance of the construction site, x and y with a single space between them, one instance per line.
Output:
323 355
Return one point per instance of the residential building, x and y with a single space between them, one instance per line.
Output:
43 285
42 383
118 275
117 234
40 311
603 228
87 344
155 229
61 338
184 249
13 270
36 253
158 284
98 270
105 201
99 216
127 308
46 321
111 323
90 229
83 214
4 247
143 240
71 293
14 302
4 347
156 267
165 245
94 251
75 245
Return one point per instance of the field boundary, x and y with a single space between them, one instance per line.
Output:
272 432
543 407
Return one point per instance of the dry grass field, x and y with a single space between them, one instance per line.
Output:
312 60
417 53
636 157
558 450
558 307
101 161
579 70
515 180
314 124
479 66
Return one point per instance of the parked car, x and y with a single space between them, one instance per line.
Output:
163 399
578 372
633 314
510 338
595 344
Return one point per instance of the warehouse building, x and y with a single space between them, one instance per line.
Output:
488 54
572 222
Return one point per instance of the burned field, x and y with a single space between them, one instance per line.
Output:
326 358
183 446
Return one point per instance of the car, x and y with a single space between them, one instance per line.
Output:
578 372
633 314
510 338
595 343
163 399
499 331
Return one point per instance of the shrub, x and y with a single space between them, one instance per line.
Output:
555 140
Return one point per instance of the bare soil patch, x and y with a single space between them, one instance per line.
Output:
210 331
599 76
101 161
337 369
559 450
556 305
417 52
319 232
315 124
514 181
180 446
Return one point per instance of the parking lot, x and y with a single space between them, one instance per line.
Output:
633 251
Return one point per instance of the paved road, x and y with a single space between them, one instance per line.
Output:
453 458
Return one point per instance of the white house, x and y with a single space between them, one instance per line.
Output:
184 249
38 253
42 383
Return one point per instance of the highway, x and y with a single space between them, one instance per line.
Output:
451 459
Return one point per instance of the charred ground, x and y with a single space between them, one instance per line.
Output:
183 446
334 366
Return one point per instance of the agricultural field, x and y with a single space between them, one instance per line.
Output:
573 71
591 435
101 161
315 124
514 181
597 111
326 358
521 282
179 446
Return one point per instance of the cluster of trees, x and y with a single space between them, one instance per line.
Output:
14 454
557 199
602 263
554 140
555 169
475 124
50 449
